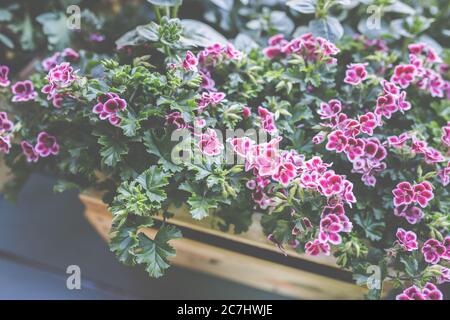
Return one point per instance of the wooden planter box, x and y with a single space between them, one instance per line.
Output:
247 258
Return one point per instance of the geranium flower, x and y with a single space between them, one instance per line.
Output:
432 156
246 112
209 144
389 87
29 151
336 141
403 194
242 146
46 145
319 138
404 74
109 105
285 174
368 122
446 135
330 226
330 184
70 54
406 239
4 71
231 52
190 62
429 292
356 73
23 91
386 106
403 105
267 120
5 144
412 214
5 124
446 244
398 141
433 250
354 148
51 61
329 110
444 175
416 48
315 247
423 193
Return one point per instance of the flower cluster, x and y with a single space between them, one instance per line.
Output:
434 250
6 126
428 292
356 73
4 71
108 106
311 48
406 196
46 145
67 55
23 91
392 100
59 78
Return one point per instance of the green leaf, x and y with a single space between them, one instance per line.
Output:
199 34
200 206
152 181
372 229
154 253
123 242
329 28
162 148
303 6
6 41
55 28
112 150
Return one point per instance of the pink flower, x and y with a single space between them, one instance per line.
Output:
330 109
315 247
190 62
429 292
356 73
4 71
418 146
403 194
272 52
267 120
29 151
70 54
407 239
446 135
389 87
23 91
330 184
368 122
232 53
5 123
330 226
398 141
207 81
416 48
336 141
446 244
444 175
354 148
432 251
403 105
210 98
412 214
277 39
404 74
386 106
46 145
242 146
267 161
319 138
51 61
423 193
209 144
5 144
246 112
286 173
107 107
432 156
62 75
337 209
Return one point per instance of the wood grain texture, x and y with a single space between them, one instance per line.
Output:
234 266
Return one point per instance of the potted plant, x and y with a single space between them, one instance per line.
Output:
343 148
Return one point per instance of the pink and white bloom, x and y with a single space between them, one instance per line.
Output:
267 120
403 194
5 144
209 144
446 135
423 193
316 247
433 250
404 74
5 124
108 106
368 122
330 184
46 145
336 141
329 110
412 214
406 239
356 73
429 292
386 106
190 62
4 71
70 54
444 175
398 141
29 151
330 226
23 91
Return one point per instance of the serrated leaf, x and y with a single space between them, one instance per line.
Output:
123 242
152 181
112 150
200 206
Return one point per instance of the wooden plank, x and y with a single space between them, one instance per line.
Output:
244 269
254 236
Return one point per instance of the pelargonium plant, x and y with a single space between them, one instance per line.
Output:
343 146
